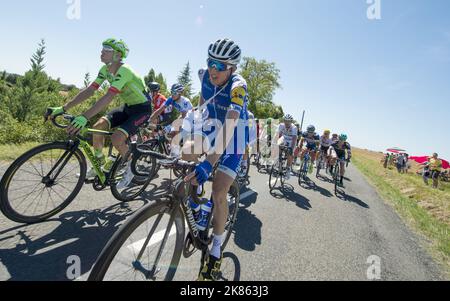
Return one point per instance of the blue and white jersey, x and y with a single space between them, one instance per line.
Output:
310 139
183 105
232 97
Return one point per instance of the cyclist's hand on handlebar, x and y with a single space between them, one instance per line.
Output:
54 111
200 175
77 125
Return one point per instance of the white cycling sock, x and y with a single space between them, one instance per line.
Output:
217 245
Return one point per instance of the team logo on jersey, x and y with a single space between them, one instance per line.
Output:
238 95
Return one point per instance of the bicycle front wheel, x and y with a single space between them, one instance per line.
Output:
147 247
138 184
42 182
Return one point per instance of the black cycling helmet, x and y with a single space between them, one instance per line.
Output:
154 87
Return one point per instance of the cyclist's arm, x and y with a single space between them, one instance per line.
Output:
101 104
80 98
158 112
349 151
294 141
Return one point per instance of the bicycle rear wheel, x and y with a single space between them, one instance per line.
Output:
42 182
337 172
303 172
275 175
147 247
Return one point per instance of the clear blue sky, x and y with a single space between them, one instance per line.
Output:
384 82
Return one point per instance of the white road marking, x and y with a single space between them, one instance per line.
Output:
247 194
157 237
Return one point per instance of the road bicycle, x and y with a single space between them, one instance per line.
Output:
305 166
337 173
150 244
46 179
279 169
322 163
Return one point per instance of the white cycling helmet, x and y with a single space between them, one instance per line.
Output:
288 117
226 51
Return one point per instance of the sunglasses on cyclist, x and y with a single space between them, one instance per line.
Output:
219 66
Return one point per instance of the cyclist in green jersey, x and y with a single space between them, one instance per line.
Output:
131 89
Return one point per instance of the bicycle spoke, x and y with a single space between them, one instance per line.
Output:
34 167
58 194
21 188
26 195
149 236
65 175
31 203
29 172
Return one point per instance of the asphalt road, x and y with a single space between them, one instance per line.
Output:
297 233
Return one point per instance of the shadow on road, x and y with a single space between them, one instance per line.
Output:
288 193
247 230
310 185
348 198
154 192
80 233
249 200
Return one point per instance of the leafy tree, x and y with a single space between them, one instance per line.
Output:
87 79
186 80
262 80
153 77
37 60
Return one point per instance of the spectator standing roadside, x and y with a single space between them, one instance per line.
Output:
386 160
426 172
400 163
407 164
435 169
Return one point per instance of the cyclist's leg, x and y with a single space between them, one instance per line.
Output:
111 120
224 178
342 163
290 157
313 154
127 129
333 159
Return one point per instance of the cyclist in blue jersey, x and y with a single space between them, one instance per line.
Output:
183 105
224 100
312 140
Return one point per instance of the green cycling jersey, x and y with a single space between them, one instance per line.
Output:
127 83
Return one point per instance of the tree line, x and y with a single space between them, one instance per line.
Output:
24 98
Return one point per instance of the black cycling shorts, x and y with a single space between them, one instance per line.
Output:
324 149
129 119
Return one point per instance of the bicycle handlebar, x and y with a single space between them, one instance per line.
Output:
67 117
142 149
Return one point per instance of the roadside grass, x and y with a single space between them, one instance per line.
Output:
10 152
424 209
